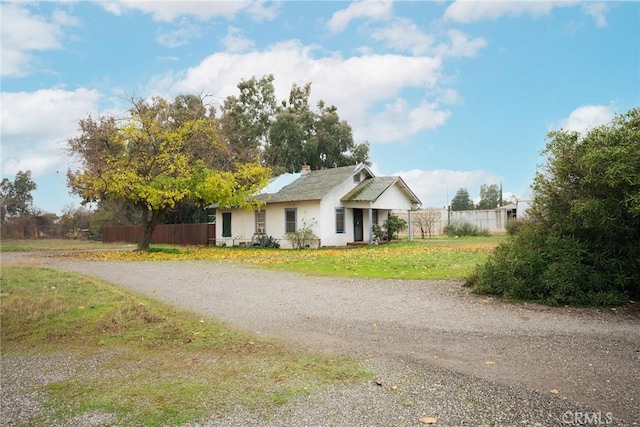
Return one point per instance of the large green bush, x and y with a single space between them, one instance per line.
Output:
582 246
539 265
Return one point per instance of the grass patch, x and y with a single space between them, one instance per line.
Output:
31 245
442 258
406 260
158 365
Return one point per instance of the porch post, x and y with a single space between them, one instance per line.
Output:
370 224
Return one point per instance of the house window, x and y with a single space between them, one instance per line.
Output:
375 216
290 220
226 224
339 220
261 221
356 178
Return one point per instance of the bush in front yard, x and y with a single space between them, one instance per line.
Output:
583 245
390 228
539 265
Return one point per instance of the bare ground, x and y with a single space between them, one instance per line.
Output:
437 350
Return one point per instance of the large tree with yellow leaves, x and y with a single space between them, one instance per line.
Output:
162 153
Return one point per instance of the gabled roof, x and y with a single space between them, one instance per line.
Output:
371 189
313 185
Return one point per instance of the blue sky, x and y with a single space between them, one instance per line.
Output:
448 94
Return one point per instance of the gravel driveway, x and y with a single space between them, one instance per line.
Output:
437 350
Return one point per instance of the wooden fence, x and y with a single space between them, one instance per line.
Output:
176 234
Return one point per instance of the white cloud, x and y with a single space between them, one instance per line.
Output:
168 11
460 45
235 42
404 35
449 96
359 86
60 17
185 31
23 32
399 121
587 117
597 11
35 126
436 188
261 11
466 11
371 10
112 7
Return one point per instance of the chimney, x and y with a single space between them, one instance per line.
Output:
305 169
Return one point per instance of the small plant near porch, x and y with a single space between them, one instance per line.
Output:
390 228
304 237
264 241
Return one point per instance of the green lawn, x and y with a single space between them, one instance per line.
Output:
441 258
164 366
15 245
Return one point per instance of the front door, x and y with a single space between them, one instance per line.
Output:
358 234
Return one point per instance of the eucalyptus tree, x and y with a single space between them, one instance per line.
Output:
15 197
490 196
246 119
287 134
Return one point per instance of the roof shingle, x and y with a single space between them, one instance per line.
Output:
370 189
312 186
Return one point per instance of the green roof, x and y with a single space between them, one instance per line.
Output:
369 190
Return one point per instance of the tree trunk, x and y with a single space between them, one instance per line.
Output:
149 222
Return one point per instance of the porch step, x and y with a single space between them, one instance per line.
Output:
382 242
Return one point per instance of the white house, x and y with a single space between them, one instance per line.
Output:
341 206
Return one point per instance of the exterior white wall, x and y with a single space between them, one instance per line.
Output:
393 198
327 213
242 227
243 223
319 215
307 214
